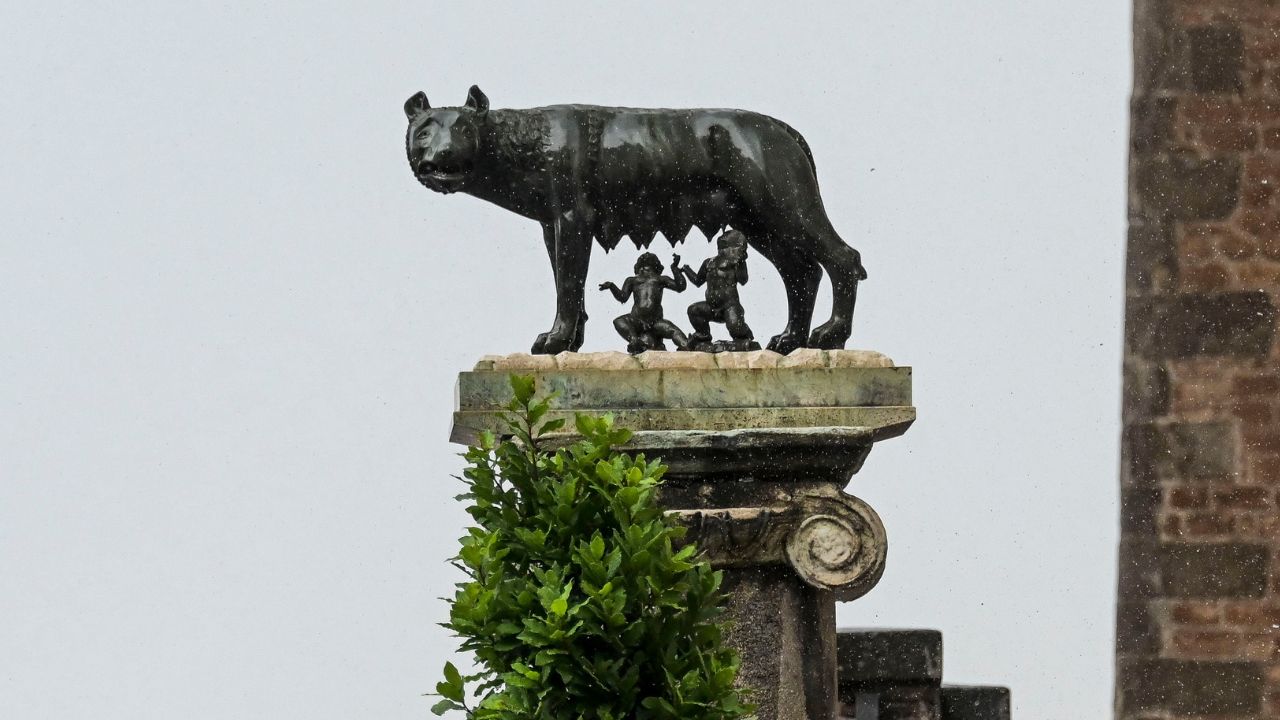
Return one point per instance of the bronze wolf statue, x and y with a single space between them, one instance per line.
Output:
587 172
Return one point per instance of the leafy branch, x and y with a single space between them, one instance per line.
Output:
577 602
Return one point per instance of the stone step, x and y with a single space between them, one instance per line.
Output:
887 674
874 657
890 674
973 702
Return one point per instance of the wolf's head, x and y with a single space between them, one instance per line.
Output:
443 143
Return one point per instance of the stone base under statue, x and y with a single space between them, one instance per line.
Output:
759 447
662 360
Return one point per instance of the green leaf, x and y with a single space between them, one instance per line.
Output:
537 411
551 426
522 386
559 607
451 675
585 424
445 706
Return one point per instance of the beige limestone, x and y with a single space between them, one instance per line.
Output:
756 359
597 361
521 362
677 391
805 358
659 360
747 360
857 358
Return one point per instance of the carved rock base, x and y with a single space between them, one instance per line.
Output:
758 456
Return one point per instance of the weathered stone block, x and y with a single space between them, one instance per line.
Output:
692 393
517 362
658 360
1151 257
1138 506
975 703
805 358
909 702
1215 58
1146 389
1136 630
1189 687
754 359
1151 122
1214 570
874 657
1238 324
596 361
1139 568
1152 46
1179 451
613 360
1190 570
1187 187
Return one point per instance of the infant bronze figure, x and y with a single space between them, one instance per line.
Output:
644 328
722 275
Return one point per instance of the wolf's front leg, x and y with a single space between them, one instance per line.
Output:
570 253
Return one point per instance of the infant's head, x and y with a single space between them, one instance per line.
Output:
648 264
733 244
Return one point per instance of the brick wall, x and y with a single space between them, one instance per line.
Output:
1198 621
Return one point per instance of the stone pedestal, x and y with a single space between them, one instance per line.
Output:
759 447
897 675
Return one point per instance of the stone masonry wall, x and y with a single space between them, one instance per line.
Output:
1198 621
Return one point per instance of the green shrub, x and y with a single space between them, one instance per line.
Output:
580 602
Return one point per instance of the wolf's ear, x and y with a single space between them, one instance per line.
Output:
477 100
416 105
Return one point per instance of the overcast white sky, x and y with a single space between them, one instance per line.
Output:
231 322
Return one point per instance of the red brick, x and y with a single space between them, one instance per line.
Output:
1195 613
1197 394
1200 241
1188 496
1261 439
1255 526
1257 413
1248 498
1251 385
1252 614
1257 195
1205 278
1228 137
1260 110
1262 168
1209 110
1264 468
1260 275
1262 48
1204 524
1260 223
1236 247
1222 645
